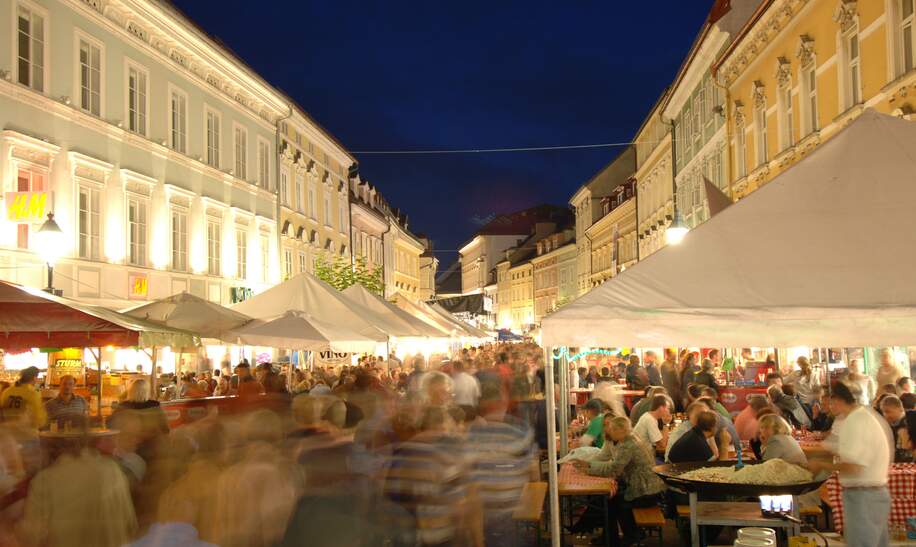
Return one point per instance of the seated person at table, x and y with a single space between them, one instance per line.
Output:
725 431
606 375
755 443
693 410
746 420
67 409
713 395
694 445
631 464
821 420
777 442
642 406
788 407
594 432
893 412
648 429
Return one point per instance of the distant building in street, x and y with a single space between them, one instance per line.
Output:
586 204
428 268
480 255
368 222
554 268
654 184
613 236
402 258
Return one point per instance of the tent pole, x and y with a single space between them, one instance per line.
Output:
553 491
153 377
563 376
98 363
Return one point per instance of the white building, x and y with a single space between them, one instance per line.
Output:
153 146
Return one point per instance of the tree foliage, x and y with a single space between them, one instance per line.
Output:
340 274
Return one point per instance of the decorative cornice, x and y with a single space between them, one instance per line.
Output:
754 40
805 50
89 168
158 30
783 72
845 14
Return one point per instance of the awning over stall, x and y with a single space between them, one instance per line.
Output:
191 313
402 324
822 255
32 318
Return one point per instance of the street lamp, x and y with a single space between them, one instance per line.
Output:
50 241
676 230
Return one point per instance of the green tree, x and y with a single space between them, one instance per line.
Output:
340 274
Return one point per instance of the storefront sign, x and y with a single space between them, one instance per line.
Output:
330 358
27 207
239 294
137 286
64 367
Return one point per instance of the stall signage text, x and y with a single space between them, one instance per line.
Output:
26 207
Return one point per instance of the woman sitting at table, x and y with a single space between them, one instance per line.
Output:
631 465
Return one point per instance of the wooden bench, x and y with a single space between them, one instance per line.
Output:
651 519
531 507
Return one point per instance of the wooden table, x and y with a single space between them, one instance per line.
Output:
730 513
78 433
572 482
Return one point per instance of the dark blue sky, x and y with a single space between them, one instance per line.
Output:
445 75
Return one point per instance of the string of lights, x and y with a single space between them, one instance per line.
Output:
504 149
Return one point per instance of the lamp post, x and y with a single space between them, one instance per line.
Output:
676 231
50 241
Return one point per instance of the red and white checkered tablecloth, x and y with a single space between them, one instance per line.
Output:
571 477
901 482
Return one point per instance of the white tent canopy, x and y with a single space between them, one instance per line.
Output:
337 318
423 313
297 331
820 256
402 324
471 330
191 313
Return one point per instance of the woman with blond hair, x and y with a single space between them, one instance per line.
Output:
152 418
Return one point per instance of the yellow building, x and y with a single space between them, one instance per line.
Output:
313 195
800 70
554 273
653 182
402 259
613 236
521 286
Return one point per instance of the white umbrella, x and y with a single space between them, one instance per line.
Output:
190 313
299 331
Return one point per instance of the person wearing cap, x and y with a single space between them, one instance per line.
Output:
22 401
864 454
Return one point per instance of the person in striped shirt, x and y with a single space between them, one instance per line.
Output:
68 408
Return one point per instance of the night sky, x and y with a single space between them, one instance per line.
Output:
450 75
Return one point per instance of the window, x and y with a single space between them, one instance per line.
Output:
31 49
136 100
313 212
241 153
785 107
136 225
90 222
214 246
301 262
241 253
27 181
90 65
179 240
906 34
284 186
287 264
853 67
342 213
807 99
327 210
212 139
300 182
760 122
265 258
178 121
263 164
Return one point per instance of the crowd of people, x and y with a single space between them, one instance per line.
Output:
428 451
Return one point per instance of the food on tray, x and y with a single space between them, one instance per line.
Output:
770 472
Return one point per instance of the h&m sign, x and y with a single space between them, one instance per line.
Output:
27 207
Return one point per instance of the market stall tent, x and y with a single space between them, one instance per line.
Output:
404 325
335 317
292 330
471 330
820 256
31 318
191 313
426 315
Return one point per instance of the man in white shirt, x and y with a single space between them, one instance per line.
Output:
864 455
804 379
465 387
647 428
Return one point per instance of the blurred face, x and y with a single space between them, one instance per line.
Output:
439 394
615 434
838 407
693 416
765 434
664 413
854 366
66 386
892 414
887 359
804 365
907 387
